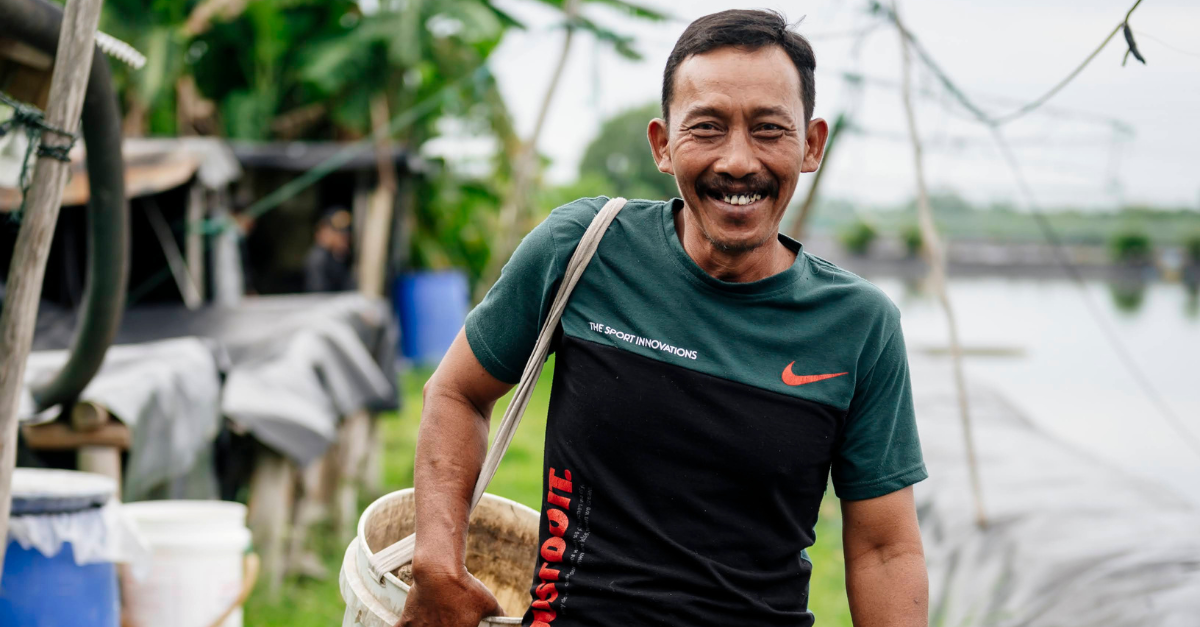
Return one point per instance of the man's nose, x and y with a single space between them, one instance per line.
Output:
739 159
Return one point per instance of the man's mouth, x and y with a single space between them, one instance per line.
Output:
741 199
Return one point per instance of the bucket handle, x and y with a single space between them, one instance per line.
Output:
250 565
400 553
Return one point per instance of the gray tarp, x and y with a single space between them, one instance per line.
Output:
167 393
290 384
1072 541
284 368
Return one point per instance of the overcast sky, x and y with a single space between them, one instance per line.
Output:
1002 52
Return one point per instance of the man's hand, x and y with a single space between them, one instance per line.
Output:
448 600
886 581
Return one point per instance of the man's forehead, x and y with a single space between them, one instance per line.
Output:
765 77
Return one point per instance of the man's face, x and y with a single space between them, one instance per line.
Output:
736 142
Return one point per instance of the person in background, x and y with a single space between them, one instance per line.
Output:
328 267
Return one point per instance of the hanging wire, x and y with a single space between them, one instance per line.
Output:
1167 45
33 121
1025 109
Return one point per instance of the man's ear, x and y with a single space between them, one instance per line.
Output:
814 145
659 137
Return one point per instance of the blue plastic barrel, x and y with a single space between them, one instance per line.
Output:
432 307
40 591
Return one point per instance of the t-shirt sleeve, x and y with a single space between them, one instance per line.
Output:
880 451
504 327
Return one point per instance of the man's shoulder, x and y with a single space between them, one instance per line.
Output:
852 294
578 214
567 223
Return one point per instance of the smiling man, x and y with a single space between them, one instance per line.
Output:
711 376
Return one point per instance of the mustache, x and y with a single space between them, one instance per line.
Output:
718 185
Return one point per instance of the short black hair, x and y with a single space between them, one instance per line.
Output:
749 29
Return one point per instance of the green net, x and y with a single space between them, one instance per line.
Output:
33 122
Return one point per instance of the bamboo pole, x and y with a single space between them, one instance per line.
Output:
937 276
73 62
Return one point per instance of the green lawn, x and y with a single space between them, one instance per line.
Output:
308 603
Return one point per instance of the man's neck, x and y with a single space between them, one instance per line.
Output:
735 267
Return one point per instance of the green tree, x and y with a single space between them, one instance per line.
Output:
913 240
857 237
621 154
1131 245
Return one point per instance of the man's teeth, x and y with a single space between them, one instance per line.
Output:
742 199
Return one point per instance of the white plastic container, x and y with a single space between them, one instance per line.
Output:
196 572
501 551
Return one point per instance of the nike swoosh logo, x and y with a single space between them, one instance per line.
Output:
794 379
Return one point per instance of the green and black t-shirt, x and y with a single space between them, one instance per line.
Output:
694 422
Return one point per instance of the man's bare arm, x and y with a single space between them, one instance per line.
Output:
886 580
451 445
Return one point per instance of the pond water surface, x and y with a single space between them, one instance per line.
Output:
1067 377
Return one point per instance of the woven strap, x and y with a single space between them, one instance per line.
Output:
401 553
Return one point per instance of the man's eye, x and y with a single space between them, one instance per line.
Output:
705 128
769 131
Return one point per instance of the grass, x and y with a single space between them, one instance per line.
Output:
309 603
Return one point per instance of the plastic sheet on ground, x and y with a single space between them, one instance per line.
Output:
1071 541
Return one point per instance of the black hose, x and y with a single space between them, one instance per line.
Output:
37 23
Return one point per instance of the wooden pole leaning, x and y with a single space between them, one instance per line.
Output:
73 62
936 253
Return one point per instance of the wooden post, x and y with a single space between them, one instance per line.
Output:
272 489
353 442
88 417
372 265
312 506
73 62
197 210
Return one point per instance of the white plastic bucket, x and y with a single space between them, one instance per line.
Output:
501 538
198 564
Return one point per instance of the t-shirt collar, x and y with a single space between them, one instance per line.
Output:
762 286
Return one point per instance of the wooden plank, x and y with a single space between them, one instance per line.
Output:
73 62
58 436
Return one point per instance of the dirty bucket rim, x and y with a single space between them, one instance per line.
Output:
367 553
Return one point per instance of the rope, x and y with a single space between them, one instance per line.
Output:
979 113
34 123
400 553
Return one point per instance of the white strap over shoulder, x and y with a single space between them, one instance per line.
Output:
401 553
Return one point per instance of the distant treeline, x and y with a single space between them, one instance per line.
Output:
958 218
